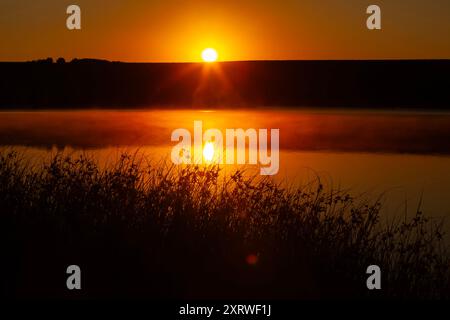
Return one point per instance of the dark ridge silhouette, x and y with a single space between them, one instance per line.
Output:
98 83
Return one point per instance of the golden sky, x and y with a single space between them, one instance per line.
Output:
174 30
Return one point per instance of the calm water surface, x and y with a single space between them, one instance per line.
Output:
404 155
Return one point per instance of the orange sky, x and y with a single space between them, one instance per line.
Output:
169 30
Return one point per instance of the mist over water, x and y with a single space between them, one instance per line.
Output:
403 155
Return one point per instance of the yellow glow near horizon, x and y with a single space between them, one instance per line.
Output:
209 55
178 31
208 151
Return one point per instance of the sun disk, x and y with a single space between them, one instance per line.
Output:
209 55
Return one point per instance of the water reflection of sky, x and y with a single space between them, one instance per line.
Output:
403 155
299 130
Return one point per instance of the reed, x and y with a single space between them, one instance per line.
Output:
158 231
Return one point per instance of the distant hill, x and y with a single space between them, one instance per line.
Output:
87 83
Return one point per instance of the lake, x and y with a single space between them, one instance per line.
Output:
404 155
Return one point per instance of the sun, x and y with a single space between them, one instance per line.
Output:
209 55
208 151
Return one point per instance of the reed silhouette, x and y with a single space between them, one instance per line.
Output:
158 231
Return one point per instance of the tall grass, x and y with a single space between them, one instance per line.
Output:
139 230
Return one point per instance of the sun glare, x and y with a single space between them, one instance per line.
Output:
208 151
209 55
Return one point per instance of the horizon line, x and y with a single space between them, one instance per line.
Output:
222 61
